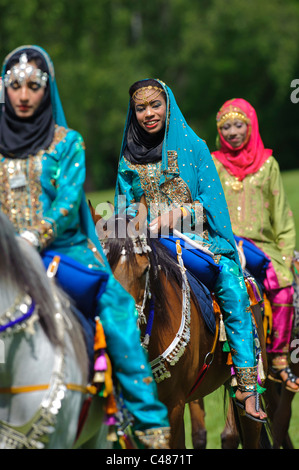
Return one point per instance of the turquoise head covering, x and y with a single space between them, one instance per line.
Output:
197 169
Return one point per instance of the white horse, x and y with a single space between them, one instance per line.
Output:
43 358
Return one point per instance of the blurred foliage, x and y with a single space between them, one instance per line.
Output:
207 52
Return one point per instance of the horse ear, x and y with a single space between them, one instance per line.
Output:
140 221
95 217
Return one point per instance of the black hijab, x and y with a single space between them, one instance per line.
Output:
143 147
21 137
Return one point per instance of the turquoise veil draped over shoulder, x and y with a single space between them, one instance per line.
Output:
59 118
197 169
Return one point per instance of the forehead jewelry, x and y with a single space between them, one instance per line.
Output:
140 94
22 71
231 112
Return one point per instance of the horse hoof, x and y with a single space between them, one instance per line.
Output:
199 440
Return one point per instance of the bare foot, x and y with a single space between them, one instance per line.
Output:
250 404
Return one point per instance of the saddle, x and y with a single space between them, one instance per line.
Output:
202 266
256 261
85 286
201 271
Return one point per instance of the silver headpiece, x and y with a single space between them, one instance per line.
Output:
22 71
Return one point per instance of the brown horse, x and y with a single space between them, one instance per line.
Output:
182 350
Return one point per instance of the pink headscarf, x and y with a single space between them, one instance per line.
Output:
251 155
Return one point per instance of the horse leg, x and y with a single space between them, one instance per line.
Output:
176 421
281 420
199 433
281 411
250 431
230 436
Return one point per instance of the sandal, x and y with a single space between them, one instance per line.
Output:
274 375
241 404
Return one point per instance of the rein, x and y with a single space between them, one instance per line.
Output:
207 363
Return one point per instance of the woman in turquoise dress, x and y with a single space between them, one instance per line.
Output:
42 167
166 166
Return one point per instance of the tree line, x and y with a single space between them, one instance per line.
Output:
207 51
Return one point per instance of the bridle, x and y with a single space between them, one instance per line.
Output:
177 347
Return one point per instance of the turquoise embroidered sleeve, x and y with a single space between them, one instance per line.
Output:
63 209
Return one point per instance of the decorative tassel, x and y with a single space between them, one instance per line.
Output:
267 321
222 333
126 442
112 436
146 341
101 362
260 369
111 409
108 378
255 289
217 311
111 406
98 378
99 338
253 300
229 360
100 366
123 257
233 381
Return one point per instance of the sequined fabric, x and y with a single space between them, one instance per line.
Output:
260 212
45 195
187 174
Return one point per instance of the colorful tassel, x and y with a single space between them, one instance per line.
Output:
111 406
253 300
229 360
260 370
101 362
222 333
217 311
233 381
112 436
99 338
126 442
99 378
267 320
123 257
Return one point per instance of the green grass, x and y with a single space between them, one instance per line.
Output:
215 418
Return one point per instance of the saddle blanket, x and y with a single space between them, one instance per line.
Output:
204 299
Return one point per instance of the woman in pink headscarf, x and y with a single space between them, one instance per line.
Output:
260 213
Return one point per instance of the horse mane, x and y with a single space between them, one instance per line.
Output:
161 264
22 270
